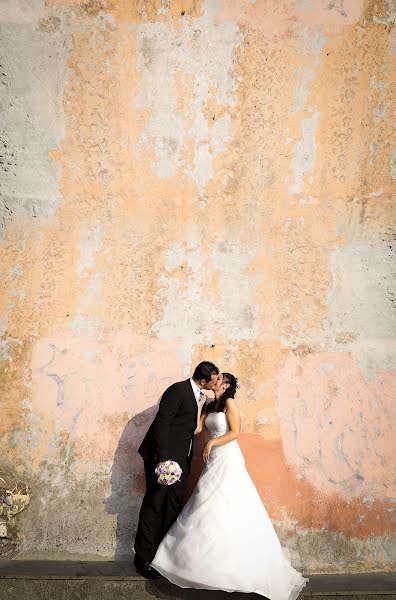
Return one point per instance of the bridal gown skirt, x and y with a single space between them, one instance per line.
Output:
224 539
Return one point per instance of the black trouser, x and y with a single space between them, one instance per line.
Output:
160 508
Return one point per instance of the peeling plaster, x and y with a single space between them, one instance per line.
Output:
305 151
393 165
302 89
90 244
33 120
389 16
186 305
206 63
361 302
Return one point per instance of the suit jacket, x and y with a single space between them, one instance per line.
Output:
171 432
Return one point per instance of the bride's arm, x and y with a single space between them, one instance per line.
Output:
233 419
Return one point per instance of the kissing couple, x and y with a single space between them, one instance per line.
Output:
223 538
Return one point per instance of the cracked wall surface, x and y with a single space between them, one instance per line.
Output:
190 179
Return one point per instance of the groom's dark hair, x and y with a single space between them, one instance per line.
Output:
205 370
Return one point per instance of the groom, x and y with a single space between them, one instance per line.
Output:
169 438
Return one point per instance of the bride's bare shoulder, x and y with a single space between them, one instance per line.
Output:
231 405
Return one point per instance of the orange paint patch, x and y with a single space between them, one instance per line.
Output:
282 492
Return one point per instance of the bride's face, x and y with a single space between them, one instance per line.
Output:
220 385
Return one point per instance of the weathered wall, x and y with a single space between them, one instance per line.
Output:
188 179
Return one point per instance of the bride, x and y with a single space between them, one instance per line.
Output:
224 539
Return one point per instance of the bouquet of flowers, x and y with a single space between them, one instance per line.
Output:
168 472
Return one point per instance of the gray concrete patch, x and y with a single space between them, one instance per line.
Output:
33 72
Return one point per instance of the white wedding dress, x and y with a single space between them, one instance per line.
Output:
224 539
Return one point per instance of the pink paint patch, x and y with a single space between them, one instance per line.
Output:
276 17
270 18
88 389
340 12
336 426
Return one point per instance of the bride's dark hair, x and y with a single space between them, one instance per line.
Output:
219 404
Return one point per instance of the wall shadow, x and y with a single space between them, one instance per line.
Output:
128 481
197 464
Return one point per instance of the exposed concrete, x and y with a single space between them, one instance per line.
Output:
35 46
362 301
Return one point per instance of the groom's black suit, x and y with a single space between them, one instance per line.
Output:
169 437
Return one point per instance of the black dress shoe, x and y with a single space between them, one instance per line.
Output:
145 569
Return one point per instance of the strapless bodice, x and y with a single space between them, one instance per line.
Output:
217 424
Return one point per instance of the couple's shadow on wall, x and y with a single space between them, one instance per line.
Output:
128 481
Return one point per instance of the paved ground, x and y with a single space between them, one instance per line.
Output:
75 580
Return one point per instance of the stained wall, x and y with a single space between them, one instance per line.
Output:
199 179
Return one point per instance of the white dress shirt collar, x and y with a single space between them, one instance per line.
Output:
195 388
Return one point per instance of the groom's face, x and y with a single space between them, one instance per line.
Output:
209 385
